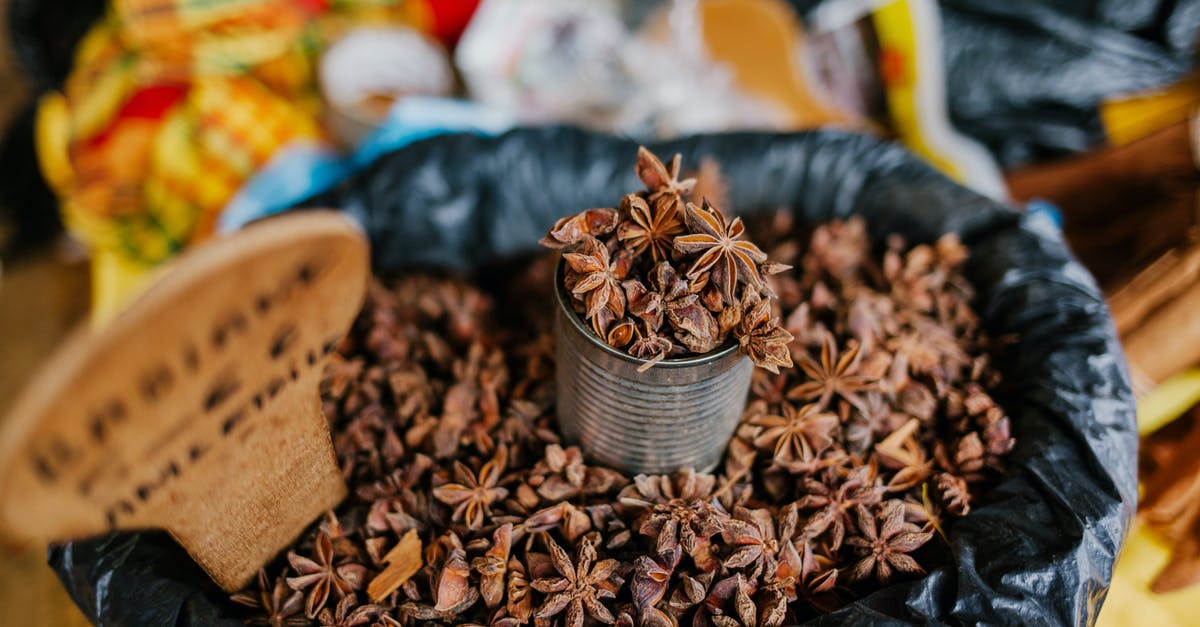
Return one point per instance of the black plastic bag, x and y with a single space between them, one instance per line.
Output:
1040 552
1027 77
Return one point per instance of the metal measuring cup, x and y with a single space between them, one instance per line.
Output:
679 413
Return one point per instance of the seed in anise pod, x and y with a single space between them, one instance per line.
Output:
492 567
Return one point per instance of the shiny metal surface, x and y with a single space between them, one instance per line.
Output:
679 413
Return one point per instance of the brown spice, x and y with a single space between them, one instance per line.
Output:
467 508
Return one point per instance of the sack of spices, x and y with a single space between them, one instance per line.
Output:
1038 549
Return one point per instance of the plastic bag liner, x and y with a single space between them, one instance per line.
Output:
1040 551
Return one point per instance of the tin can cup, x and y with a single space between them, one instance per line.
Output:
679 413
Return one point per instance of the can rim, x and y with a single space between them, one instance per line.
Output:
681 362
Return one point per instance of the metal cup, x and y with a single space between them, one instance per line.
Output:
680 413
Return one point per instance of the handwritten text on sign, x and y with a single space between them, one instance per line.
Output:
200 387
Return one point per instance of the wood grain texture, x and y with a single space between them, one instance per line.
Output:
197 409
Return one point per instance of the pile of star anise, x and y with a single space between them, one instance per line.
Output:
467 508
660 277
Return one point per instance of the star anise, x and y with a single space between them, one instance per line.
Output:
649 344
834 505
347 614
453 593
596 278
473 496
901 451
694 326
660 180
756 538
580 589
885 545
279 603
651 577
833 375
689 525
322 577
721 250
493 566
650 228
519 602
562 475
647 491
571 230
818 578
763 339
795 436
955 496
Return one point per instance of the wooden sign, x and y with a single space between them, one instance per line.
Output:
196 410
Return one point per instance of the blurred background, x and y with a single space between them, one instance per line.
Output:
131 130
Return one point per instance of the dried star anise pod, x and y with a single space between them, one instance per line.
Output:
562 475
453 592
954 494
650 227
834 506
280 604
795 436
818 578
596 278
900 451
756 539
580 588
833 375
573 229
519 601
321 577
885 544
347 614
686 525
694 326
658 178
651 578
493 566
473 496
763 339
721 250
650 490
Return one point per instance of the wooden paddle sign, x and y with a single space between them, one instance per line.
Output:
197 409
